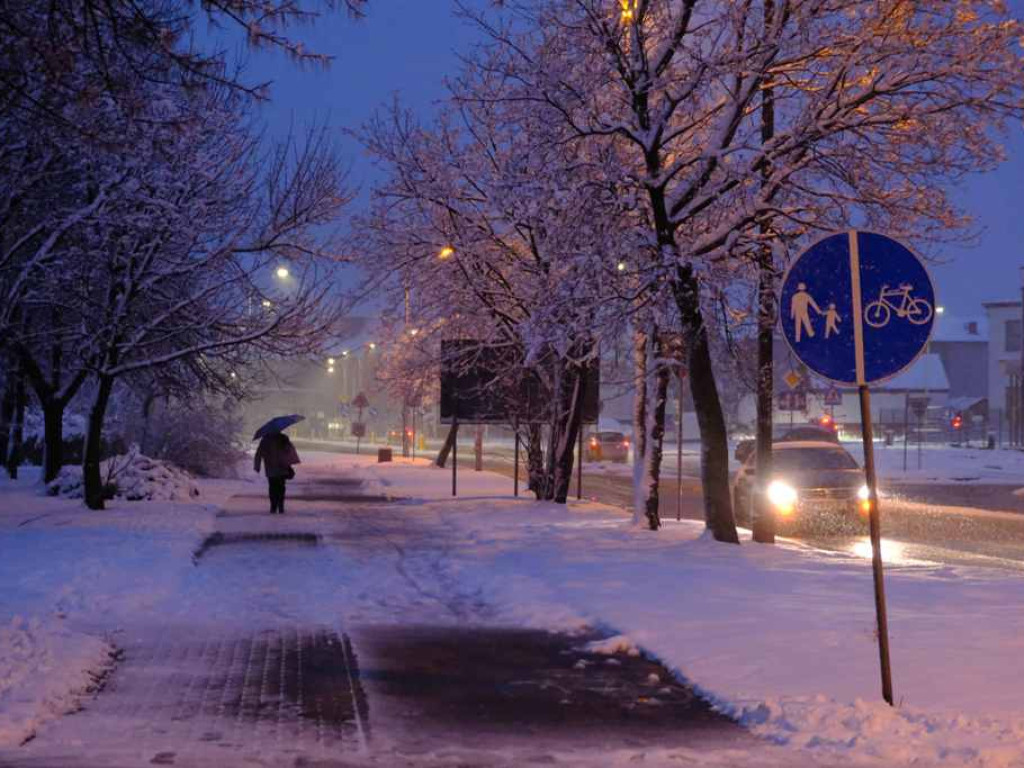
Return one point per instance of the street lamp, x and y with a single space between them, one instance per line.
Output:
621 266
282 273
330 362
446 253
372 345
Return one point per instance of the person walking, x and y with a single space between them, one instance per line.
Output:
278 456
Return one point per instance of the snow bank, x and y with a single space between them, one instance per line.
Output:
134 477
45 669
613 645
903 735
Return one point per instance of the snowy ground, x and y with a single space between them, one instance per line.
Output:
781 637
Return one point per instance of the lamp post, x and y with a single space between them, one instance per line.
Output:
1017 428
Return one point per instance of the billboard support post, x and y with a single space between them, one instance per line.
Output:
515 481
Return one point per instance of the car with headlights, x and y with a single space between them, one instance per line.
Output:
608 446
814 485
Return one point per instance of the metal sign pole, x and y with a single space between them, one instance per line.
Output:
515 482
876 544
679 453
358 438
579 467
455 454
869 466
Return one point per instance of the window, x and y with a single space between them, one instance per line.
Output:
1013 335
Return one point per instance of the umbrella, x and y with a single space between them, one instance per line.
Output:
277 424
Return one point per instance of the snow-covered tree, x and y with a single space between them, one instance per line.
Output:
486 240
875 104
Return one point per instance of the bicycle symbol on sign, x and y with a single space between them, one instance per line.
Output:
878 313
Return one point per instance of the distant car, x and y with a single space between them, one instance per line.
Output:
815 484
809 432
608 446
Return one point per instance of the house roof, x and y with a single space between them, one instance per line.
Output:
950 328
927 373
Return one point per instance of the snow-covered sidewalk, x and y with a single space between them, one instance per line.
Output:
70 578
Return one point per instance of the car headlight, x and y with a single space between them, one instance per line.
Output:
782 496
864 498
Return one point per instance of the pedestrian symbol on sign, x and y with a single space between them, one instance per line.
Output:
800 307
800 311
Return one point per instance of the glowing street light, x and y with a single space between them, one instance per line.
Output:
330 369
282 273
330 362
446 253
344 353
414 331
373 345
621 266
266 303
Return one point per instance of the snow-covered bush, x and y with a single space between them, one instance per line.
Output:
200 436
133 477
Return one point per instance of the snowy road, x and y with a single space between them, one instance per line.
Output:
979 525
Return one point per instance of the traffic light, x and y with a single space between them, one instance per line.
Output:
958 421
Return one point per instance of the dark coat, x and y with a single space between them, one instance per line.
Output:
277 454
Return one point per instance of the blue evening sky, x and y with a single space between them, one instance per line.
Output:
408 47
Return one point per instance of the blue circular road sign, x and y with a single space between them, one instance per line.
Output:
857 307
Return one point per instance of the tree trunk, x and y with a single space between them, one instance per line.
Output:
538 481
449 442
53 437
718 513
654 441
763 524
14 451
147 412
6 417
569 430
640 342
94 445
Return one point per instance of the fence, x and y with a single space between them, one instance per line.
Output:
938 426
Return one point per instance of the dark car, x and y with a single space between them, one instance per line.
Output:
817 433
814 484
608 446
